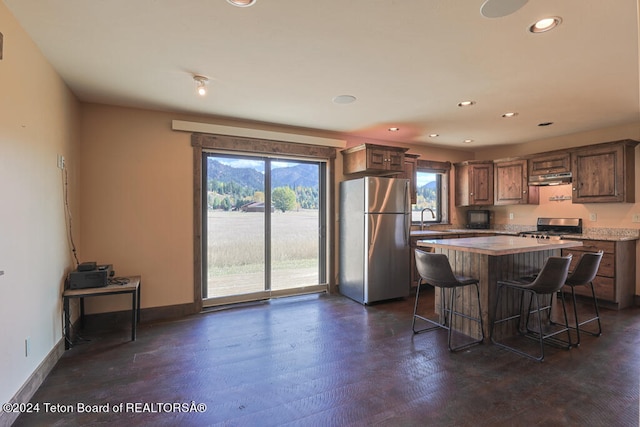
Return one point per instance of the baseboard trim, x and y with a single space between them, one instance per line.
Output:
167 312
34 382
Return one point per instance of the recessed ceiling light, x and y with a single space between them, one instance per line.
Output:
545 124
468 141
242 3
466 103
344 99
508 115
394 129
545 24
434 135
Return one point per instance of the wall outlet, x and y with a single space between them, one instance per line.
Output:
593 217
27 347
60 161
635 218
510 215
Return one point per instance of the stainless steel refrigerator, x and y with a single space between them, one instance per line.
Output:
375 221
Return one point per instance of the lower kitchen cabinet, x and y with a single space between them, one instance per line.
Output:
615 281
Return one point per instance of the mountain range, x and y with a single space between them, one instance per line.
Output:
298 175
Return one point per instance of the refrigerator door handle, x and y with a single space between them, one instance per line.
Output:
407 222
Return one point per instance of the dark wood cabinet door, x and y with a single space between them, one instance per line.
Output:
511 184
599 174
474 183
481 179
376 159
550 163
395 160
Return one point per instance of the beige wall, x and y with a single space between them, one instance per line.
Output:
38 120
137 203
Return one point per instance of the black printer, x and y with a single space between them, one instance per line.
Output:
90 275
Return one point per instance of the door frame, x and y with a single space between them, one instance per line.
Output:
202 143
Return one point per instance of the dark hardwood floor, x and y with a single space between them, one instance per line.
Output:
325 360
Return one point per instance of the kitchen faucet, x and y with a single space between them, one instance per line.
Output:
433 215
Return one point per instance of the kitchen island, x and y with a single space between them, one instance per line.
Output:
490 259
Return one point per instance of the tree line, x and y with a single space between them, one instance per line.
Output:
232 196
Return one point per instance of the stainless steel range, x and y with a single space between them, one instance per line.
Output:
554 228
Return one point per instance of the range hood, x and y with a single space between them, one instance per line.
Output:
551 179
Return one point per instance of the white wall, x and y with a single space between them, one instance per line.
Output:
38 121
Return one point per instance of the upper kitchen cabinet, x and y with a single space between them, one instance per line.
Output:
511 183
604 173
546 163
409 172
474 183
373 159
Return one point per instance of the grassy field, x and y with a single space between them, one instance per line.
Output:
236 251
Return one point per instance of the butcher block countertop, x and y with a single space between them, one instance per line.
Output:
498 245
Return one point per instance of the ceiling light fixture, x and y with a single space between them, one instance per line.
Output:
344 99
545 24
468 141
394 129
201 84
500 8
242 3
466 103
509 115
433 135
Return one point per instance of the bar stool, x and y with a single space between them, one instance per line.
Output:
549 281
435 270
583 275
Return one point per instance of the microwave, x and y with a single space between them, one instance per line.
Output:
478 219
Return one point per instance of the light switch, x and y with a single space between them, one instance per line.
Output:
593 217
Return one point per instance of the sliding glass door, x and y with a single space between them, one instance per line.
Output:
264 229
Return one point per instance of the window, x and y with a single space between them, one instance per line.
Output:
245 251
432 200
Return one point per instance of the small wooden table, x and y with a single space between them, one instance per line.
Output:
132 286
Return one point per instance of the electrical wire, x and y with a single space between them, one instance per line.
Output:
65 190
118 281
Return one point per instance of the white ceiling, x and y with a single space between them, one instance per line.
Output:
408 63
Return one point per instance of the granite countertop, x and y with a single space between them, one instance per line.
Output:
449 231
498 245
601 236
608 234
